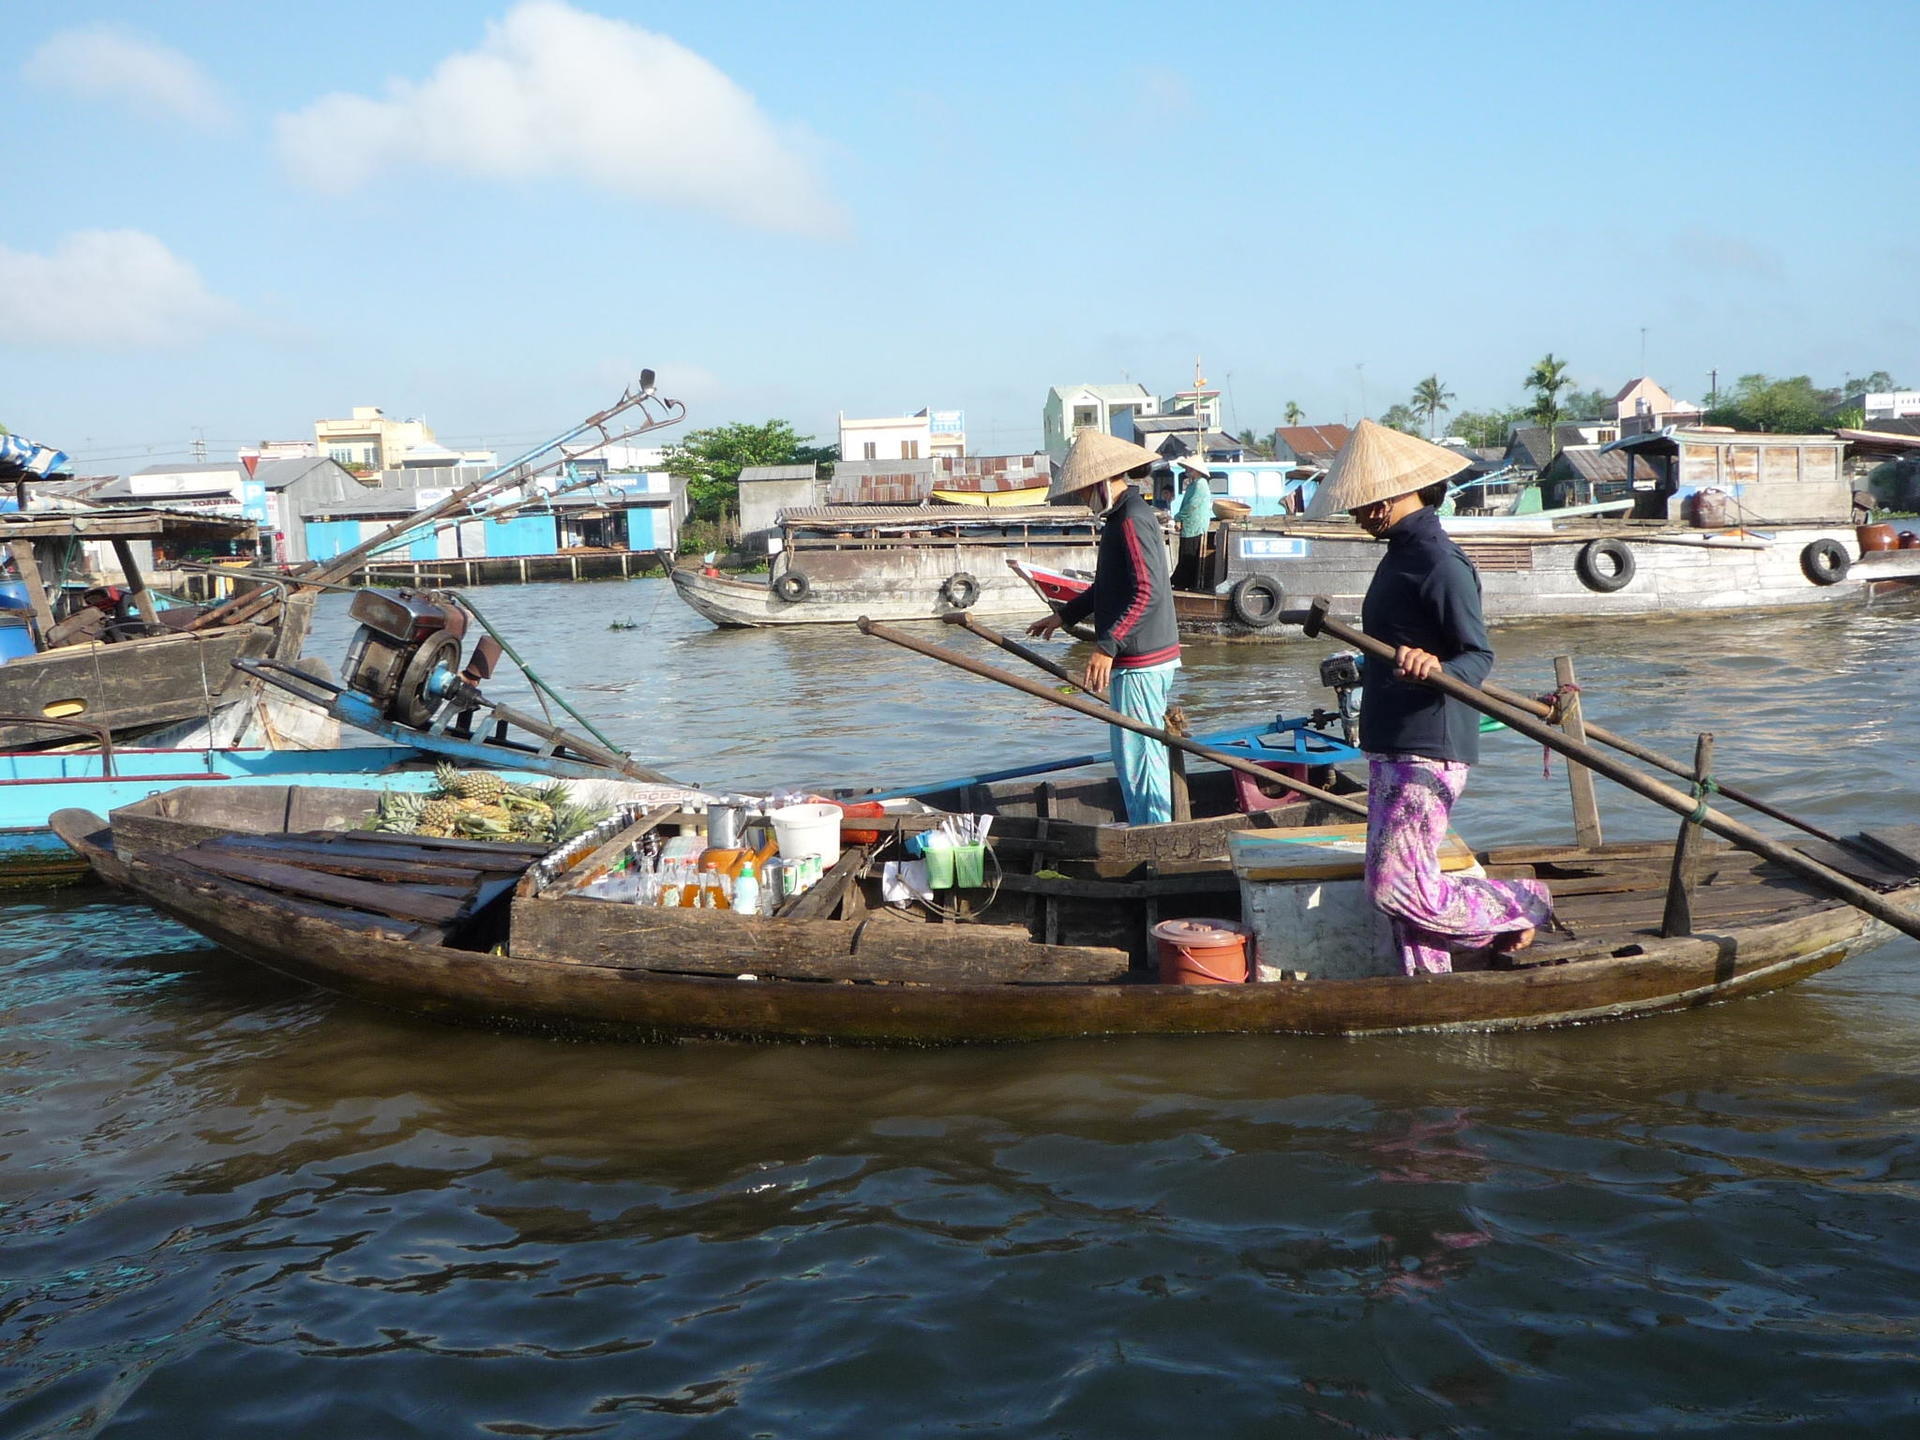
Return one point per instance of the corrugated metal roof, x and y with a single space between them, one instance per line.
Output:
776 472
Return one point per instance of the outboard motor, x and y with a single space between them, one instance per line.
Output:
1341 674
405 656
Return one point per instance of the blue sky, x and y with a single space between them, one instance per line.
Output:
227 220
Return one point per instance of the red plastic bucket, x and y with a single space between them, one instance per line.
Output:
1202 952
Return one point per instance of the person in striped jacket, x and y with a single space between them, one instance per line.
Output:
1136 642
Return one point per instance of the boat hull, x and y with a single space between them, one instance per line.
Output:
1540 578
890 583
624 1001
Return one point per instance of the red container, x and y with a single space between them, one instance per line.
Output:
1909 540
1202 952
1251 796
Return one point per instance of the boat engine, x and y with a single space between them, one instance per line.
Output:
405 657
1341 674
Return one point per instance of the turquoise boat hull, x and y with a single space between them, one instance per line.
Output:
34 784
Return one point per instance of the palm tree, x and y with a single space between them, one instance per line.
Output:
1294 413
1430 397
1547 379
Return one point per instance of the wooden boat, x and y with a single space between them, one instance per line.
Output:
152 667
1575 569
892 562
1054 949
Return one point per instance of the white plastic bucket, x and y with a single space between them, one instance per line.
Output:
808 830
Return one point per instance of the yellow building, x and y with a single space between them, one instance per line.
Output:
370 441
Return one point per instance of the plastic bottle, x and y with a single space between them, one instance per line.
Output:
746 891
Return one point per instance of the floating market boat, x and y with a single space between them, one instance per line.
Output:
1055 942
1763 522
893 562
121 662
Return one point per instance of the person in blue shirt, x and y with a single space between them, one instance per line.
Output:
1424 600
1194 514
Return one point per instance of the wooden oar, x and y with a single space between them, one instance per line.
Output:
1664 762
1111 716
1014 647
1315 621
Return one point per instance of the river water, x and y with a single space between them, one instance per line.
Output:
233 1205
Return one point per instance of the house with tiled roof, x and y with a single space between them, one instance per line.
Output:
1309 444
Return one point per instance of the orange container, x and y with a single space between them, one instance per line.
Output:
1875 537
860 810
1909 540
1202 952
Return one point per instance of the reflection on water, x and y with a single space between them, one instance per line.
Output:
233 1205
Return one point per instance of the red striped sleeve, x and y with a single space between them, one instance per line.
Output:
1142 584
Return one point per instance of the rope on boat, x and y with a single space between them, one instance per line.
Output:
1700 790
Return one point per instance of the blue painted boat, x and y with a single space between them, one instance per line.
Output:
35 784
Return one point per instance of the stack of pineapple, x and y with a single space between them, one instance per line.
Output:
480 805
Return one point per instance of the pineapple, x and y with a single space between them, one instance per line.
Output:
481 785
398 812
439 814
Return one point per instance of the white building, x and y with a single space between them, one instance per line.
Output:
1108 408
1888 404
921 436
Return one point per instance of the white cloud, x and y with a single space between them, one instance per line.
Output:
554 91
110 62
106 289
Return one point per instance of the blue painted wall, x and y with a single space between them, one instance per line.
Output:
642 532
522 535
328 538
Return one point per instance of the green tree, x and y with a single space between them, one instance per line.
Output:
1487 429
1402 417
1546 380
1792 405
1294 413
1877 382
712 460
1430 397
1255 446
1585 405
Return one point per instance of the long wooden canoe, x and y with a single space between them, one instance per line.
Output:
1072 962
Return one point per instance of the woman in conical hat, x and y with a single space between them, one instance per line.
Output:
1424 600
1136 640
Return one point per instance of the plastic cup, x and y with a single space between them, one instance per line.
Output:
969 866
939 860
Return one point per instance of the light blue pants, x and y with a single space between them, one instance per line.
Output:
1146 783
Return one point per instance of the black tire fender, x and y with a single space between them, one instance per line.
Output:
959 590
1825 562
1590 565
793 586
1256 600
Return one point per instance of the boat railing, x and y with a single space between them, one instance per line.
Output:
99 732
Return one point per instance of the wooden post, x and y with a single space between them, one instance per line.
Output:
1177 765
1586 810
1678 919
136 582
29 568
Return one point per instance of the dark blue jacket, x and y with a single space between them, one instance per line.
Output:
1131 598
1425 593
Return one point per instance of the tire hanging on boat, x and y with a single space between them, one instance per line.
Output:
1256 601
793 586
960 590
1825 562
1592 563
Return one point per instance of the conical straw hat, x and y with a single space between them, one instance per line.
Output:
1096 456
1378 463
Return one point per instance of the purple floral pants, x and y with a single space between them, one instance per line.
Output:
1434 915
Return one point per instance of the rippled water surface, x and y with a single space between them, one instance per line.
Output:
232 1205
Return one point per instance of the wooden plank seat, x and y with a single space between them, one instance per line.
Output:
413 885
